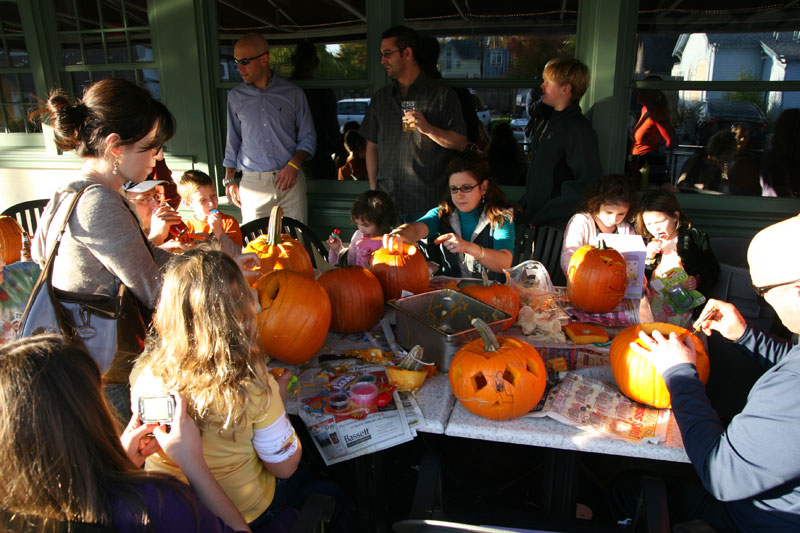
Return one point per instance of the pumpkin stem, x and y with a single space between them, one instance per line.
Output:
490 343
275 224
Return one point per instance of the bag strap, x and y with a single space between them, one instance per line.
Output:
47 271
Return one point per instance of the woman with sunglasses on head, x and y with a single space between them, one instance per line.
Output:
118 129
472 226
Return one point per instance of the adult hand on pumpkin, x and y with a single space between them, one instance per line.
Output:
722 317
408 233
665 352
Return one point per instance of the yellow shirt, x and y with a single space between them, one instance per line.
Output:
232 460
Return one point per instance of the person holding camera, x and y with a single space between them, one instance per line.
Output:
58 436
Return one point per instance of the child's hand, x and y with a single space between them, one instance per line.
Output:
335 243
653 248
182 443
215 222
690 283
136 443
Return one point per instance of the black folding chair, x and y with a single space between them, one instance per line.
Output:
295 228
542 244
27 214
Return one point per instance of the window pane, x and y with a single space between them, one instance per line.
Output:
80 81
93 48
142 46
18 53
89 17
112 14
10 89
65 15
149 78
117 48
15 118
763 56
28 89
501 56
227 68
336 61
136 11
129 75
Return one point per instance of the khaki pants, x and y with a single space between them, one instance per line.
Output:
258 196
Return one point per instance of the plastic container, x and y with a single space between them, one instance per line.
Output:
363 393
367 378
338 401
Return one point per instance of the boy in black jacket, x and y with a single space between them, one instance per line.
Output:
566 157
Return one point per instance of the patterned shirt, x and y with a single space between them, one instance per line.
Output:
266 128
411 165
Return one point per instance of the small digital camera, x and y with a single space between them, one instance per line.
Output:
158 409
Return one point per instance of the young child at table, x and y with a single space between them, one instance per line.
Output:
672 242
605 209
17 281
207 350
374 214
198 193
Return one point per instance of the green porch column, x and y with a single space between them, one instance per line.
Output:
178 29
606 42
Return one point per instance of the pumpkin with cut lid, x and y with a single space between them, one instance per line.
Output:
400 267
279 251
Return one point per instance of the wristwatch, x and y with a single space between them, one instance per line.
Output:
228 181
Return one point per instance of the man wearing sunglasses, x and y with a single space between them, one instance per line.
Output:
751 468
406 164
270 134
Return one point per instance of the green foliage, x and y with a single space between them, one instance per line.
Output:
530 54
755 97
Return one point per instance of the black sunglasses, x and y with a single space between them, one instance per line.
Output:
761 291
246 61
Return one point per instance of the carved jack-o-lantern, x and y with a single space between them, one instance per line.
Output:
497 378
596 279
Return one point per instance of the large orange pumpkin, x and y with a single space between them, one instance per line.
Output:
398 268
497 378
498 295
280 251
636 376
295 316
596 279
10 239
356 298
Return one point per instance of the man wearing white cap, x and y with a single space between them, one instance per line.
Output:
156 218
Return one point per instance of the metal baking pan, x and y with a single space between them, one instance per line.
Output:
440 321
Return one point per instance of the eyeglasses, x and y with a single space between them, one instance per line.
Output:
466 189
246 61
761 291
387 55
148 198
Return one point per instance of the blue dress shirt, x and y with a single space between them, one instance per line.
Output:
267 127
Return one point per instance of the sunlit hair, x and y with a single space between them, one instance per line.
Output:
61 458
206 348
112 105
662 202
495 204
191 181
612 189
376 208
571 71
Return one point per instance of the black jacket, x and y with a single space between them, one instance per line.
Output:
566 160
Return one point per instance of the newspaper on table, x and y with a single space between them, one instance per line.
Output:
592 404
346 430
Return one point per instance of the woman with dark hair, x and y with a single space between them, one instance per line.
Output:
472 226
62 464
119 130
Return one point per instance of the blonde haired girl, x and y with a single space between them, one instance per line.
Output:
206 350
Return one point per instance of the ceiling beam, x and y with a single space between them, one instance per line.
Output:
253 16
460 11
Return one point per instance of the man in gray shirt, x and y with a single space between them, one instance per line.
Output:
409 165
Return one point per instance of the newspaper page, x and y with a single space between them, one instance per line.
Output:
342 428
594 405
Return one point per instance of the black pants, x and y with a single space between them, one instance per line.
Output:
686 500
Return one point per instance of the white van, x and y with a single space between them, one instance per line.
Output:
351 109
